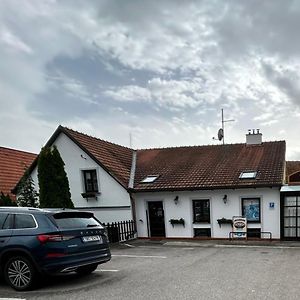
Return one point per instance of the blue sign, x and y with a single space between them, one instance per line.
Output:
272 204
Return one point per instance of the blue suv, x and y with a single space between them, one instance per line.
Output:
49 241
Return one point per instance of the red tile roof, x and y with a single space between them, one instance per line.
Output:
12 164
291 168
186 168
210 167
114 158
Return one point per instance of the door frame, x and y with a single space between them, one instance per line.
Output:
148 217
282 197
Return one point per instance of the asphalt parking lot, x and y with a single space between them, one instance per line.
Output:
155 271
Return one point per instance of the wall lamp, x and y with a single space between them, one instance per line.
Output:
225 199
176 200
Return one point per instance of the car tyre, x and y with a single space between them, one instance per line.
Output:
85 270
20 273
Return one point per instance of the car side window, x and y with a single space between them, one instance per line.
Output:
7 224
3 217
23 221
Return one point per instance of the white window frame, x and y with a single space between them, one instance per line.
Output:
248 175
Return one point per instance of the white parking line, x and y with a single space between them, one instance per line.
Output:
129 245
255 246
189 248
138 256
12 299
150 247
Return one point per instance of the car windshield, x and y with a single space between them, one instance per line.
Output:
72 220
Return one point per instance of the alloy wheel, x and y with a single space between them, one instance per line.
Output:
19 274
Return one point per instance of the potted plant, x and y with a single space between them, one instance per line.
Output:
177 221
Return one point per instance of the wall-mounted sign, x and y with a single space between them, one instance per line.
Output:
239 225
272 205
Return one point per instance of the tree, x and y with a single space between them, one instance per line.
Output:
5 200
53 180
27 195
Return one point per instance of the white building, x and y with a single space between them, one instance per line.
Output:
98 173
180 192
205 187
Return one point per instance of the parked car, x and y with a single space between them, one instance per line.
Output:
49 241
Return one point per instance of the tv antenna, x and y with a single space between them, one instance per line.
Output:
221 132
130 139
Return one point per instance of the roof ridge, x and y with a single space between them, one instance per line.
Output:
17 150
97 138
206 145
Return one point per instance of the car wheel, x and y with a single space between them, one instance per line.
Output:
85 270
19 273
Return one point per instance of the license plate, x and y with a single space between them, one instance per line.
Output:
92 238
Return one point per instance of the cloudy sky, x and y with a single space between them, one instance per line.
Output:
161 71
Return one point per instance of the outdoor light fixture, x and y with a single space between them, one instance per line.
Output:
225 199
176 199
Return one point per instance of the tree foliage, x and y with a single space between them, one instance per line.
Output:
53 180
5 200
27 195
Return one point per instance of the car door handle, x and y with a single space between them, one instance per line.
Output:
2 241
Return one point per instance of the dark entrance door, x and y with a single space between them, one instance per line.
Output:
290 221
156 219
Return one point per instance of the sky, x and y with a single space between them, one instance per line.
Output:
160 71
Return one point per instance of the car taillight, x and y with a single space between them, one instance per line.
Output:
45 238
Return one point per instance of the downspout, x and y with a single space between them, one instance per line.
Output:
131 186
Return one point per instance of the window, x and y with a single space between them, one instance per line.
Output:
76 220
201 211
23 221
90 181
8 222
248 175
149 179
202 232
254 233
3 217
251 209
294 178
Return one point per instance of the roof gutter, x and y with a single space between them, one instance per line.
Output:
177 189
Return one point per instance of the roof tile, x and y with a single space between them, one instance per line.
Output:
205 167
12 165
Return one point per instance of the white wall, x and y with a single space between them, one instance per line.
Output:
270 218
113 202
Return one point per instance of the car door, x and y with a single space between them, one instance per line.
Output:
5 228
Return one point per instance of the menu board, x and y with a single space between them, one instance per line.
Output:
239 225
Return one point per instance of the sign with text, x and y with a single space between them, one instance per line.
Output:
239 225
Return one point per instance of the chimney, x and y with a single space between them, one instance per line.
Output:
253 137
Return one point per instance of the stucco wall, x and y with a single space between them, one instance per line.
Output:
270 217
113 202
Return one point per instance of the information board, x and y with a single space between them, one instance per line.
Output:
239 225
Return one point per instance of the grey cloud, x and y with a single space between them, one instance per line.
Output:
286 80
262 27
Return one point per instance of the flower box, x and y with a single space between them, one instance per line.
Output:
177 222
224 221
89 195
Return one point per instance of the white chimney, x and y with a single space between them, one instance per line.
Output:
253 137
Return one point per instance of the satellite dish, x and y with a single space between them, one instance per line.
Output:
220 134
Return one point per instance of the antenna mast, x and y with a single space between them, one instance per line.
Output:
224 121
130 140
221 130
